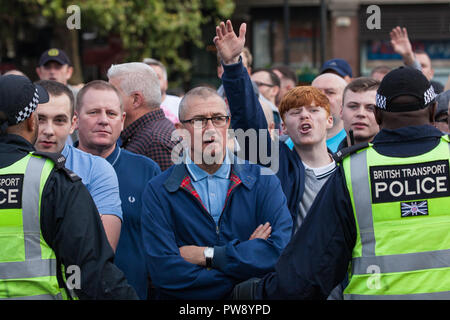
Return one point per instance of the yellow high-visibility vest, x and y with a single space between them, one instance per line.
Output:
402 213
28 267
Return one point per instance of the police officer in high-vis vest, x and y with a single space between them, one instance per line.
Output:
52 243
383 218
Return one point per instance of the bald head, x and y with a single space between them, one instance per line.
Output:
333 87
329 78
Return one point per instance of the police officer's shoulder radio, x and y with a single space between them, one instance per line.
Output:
341 154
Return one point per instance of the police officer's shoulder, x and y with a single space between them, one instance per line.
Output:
341 154
60 163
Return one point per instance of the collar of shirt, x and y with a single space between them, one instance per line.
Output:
114 156
65 150
406 134
138 124
198 174
334 142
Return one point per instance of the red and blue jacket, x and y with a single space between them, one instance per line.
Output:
174 216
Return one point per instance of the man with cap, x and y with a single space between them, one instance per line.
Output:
50 229
54 64
387 210
339 67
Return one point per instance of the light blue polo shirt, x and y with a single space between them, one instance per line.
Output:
99 178
212 188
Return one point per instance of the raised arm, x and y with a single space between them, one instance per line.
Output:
401 45
246 111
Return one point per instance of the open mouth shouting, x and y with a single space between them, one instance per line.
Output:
305 128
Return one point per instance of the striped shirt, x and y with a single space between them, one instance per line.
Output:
150 136
315 178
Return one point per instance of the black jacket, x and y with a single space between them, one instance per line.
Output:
72 227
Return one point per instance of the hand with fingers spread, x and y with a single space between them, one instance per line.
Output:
229 46
401 44
262 232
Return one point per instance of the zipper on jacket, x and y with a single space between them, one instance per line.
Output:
223 210
209 214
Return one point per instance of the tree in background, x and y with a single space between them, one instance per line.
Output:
147 28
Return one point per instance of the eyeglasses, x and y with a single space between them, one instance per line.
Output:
217 121
259 84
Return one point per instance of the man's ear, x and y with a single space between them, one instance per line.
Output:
378 116
75 121
432 110
69 72
330 122
31 122
275 90
74 124
38 71
138 99
124 115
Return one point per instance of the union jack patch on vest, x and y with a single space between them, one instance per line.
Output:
414 208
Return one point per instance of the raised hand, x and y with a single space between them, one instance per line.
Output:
401 44
229 46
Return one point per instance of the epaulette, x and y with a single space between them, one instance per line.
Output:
60 163
57 158
341 154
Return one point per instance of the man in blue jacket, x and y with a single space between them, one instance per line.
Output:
213 220
394 237
303 170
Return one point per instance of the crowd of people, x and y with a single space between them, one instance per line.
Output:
151 196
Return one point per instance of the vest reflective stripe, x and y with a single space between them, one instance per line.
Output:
37 297
34 277
396 257
403 262
363 207
30 208
23 269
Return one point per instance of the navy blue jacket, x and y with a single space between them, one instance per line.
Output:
133 172
317 257
174 216
246 113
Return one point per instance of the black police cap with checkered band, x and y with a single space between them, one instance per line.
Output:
19 97
404 81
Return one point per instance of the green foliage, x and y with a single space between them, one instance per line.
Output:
148 28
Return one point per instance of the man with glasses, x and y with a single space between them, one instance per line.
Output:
269 86
212 220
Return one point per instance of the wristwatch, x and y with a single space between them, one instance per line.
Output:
209 254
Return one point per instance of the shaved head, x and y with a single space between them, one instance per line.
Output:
333 86
329 78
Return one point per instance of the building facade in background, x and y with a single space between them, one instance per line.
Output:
348 33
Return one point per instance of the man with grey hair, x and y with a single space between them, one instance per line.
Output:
169 103
197 242
147 131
